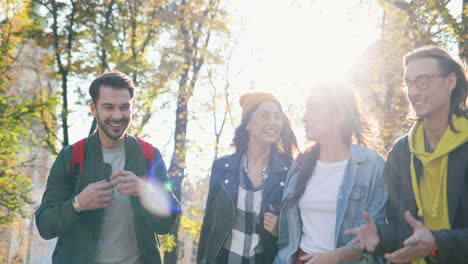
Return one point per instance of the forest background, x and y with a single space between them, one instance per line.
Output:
190 61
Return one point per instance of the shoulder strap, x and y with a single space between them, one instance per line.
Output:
148 152
78 153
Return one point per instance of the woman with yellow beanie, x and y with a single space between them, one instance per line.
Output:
241 223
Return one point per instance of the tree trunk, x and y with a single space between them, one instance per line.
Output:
64 115
62 69
177 167
193 61
462 41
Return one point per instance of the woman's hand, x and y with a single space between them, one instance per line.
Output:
270 222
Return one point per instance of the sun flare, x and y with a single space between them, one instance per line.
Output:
296 44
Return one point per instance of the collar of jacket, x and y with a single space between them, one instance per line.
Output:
277 175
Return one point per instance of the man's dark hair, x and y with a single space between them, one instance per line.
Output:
447 65
116 80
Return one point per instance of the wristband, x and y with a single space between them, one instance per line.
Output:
76 205
434 251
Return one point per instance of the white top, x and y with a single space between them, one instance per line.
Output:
318 207
117 241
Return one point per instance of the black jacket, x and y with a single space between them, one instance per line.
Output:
222 200
452 244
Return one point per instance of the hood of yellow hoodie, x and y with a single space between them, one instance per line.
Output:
449 141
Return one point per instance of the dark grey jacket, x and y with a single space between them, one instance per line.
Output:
453 243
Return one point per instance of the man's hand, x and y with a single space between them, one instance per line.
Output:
320 258
417 246
128 183
270 222
366 234
94 196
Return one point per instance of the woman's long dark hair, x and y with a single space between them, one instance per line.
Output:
286 143
340 100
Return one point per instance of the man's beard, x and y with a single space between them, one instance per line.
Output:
105 125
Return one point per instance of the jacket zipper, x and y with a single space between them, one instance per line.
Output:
225 236
279 226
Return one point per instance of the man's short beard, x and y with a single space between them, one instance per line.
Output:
109 135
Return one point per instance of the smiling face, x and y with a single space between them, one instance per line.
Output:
113 111
432 94
266 123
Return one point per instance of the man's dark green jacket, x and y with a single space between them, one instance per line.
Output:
78 233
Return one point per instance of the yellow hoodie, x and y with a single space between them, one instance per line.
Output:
431 192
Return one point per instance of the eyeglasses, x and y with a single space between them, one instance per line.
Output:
266 116
422 82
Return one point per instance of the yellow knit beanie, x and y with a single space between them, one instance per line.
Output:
249 100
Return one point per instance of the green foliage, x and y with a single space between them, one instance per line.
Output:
191 221
169 242
17 115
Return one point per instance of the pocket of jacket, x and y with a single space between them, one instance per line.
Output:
358 192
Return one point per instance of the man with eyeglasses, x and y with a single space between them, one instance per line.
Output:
427 170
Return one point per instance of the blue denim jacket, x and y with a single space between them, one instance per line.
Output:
362 189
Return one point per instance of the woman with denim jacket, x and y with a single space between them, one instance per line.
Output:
331 184
240 222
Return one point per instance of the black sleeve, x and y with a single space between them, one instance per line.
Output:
453 244
207 219
387 231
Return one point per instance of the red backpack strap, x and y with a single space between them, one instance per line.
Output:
148 152
78 153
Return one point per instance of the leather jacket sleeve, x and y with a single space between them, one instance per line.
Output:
207 219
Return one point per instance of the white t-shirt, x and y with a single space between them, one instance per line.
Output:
318 207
